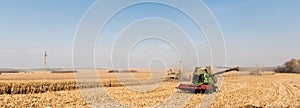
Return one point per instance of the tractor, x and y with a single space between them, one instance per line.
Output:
203 81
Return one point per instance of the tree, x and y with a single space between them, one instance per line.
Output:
292 66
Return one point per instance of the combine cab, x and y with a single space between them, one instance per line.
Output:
203 80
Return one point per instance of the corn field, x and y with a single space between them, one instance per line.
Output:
270 90
36 86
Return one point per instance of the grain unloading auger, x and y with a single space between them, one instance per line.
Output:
203 80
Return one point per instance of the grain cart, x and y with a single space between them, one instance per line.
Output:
203 80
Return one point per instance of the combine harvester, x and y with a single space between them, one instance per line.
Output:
203 81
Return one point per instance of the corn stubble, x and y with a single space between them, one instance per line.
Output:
279 90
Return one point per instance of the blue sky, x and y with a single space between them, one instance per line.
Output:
257 32
265 32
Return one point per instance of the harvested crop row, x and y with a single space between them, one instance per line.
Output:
142 99
268 91
41 86
60 99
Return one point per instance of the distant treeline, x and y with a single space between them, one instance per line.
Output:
257 68
65 71
252 68
292 66
8 71
122 71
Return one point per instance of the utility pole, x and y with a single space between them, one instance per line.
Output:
180 66
45 60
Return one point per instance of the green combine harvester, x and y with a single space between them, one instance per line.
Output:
203 81
173 74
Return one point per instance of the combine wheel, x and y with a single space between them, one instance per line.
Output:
204 91
215 89
197 91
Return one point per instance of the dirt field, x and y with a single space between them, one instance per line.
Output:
279 90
